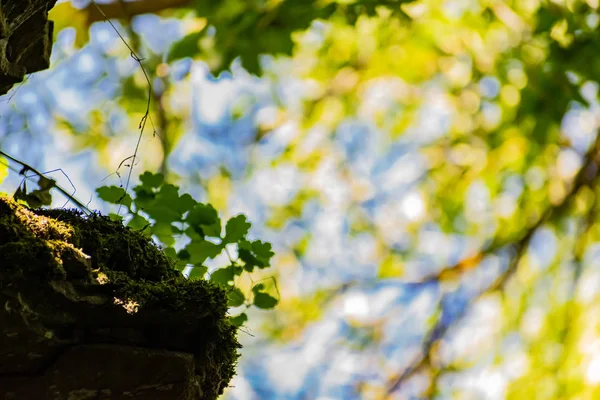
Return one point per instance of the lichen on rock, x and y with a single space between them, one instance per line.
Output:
68 280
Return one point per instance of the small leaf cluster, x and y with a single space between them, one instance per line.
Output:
38 197
158 210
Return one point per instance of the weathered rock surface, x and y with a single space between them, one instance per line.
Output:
94 310
25 39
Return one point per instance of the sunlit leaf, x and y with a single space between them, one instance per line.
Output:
114 195
3 169
236 297
222 276
198 271
263 300
138 222
200 250
239 320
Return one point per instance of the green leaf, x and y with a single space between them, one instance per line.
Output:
239 320
162 206
203 218
183 255
115 217
264 300
222 276
237 271
261 299
163 214
138 222
236 298
39 198
152 180
250 61
263 251
255 254
185 47
170 252
200 250
193 234
236 229
198 272
258 288
186 203
176 262
163 233
45 183
114 195
143 193
180 268
250 262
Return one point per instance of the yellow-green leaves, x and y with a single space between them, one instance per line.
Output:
247 29
3 168
64 15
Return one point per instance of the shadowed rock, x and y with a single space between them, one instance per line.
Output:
92 309
25 39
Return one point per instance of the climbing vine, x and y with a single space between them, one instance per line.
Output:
179 221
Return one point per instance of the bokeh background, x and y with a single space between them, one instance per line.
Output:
426 171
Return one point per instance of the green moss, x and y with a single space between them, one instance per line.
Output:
91 272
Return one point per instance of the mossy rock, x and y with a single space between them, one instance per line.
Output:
68 280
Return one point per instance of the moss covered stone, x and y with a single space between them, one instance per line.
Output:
75 279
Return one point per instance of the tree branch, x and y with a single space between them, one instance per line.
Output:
127 10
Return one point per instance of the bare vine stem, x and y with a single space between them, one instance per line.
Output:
144 118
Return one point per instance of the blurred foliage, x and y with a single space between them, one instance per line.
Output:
248 29
448 148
